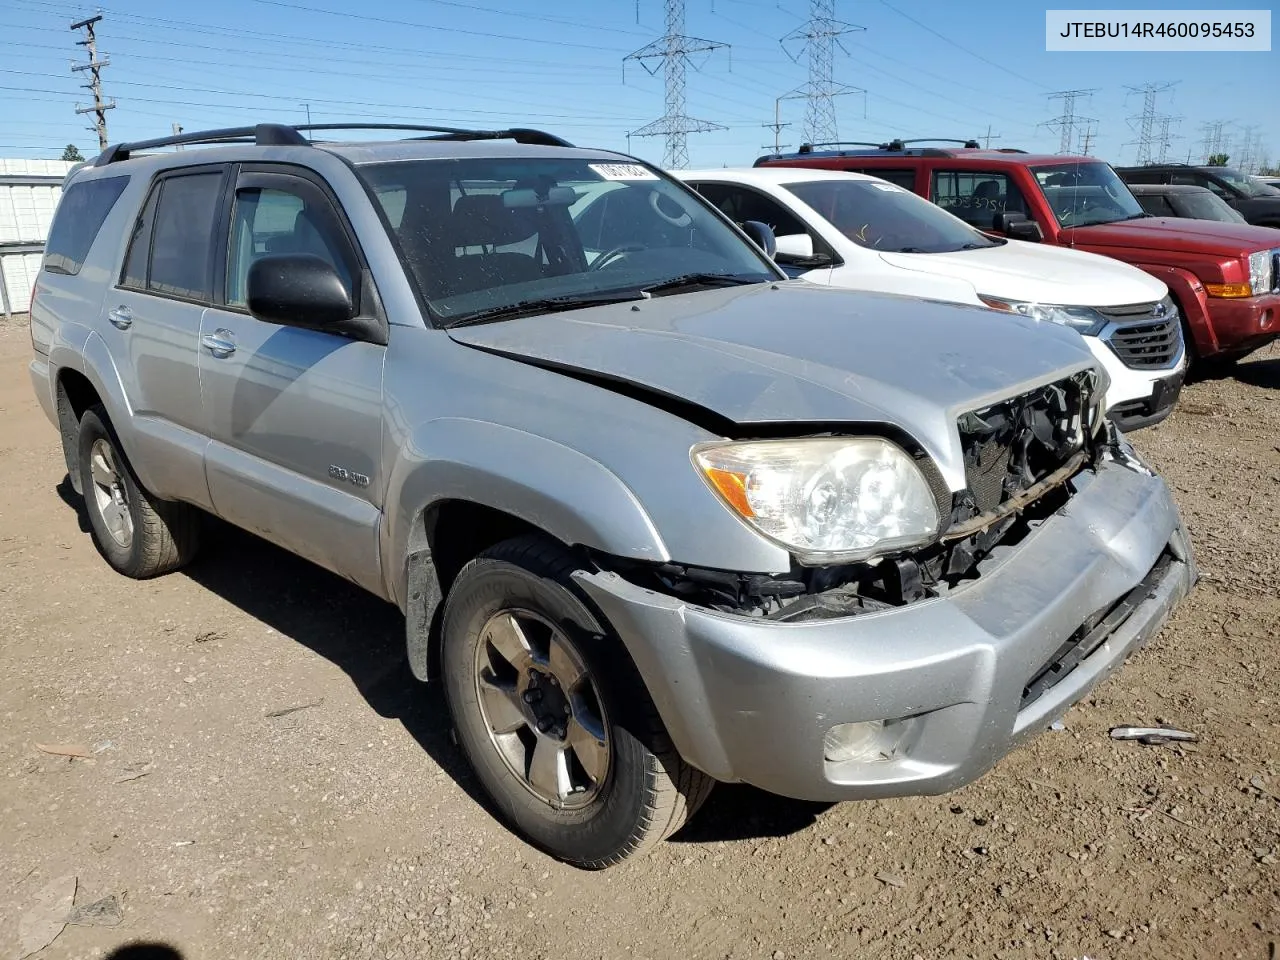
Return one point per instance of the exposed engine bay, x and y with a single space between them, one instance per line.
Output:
1020 455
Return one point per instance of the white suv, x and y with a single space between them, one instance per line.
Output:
857 231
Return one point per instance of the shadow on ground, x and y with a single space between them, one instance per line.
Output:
364 636
1260 373
145 951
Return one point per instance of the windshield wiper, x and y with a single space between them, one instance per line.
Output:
686 280
524 308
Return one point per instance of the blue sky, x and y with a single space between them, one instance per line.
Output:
930 68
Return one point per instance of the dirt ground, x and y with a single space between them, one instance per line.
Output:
350 828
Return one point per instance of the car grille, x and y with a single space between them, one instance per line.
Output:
1092 634
1014 445
1146 334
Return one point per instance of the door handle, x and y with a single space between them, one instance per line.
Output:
121 318
220 343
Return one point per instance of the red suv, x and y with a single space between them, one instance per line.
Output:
1225 277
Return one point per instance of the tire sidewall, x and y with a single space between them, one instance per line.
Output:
609 823
94 427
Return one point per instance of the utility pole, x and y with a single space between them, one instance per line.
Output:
818 38
987 139
776 127
94 66
177 129
1067 121
1146 121
671 55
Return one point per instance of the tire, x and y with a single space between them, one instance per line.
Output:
643 791
138 534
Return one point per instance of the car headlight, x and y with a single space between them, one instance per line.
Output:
827 500
1261 276
1086 320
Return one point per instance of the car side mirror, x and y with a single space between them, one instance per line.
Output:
761 234
1017 227
298 290
794 246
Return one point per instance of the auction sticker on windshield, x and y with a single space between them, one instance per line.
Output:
623 171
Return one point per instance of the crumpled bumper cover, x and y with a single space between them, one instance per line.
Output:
751 700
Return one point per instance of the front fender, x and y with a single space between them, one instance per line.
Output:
1193 301
548 485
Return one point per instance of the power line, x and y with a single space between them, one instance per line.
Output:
1067 121
817 38
94 66
671 55
1147 120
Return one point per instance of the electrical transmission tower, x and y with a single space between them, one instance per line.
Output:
1248 153
94 66
671 54
1145 123
817 39
1068 120
1086 140
1216 140
1164 139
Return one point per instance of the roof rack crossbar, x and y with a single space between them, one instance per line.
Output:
278 134
968 144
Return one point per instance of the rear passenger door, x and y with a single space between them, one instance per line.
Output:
152 317
294 415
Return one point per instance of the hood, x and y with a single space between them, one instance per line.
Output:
1177 234
794 352
1037 272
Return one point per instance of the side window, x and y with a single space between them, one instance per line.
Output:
270 221
741 204
183 236
81 212
976 197
902 178
134 275
1221 189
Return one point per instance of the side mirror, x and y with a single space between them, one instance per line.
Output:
1017 227
794 246
761 234
298 290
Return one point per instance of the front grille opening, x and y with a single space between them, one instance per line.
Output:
1146 344
1011 446
1092 634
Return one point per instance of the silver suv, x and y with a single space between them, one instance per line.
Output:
656 516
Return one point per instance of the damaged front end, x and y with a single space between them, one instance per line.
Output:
1020 456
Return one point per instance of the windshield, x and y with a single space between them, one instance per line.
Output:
1206 205
1245 183
882 216
482 234
1086 194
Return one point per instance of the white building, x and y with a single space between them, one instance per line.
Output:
29 192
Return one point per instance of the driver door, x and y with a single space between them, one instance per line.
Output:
294 416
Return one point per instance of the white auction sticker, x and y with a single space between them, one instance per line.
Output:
888 186
623 171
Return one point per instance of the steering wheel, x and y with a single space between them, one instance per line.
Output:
613 253
682 219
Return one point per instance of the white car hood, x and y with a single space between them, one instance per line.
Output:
1020 270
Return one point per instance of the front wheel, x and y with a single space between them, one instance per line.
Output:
552 714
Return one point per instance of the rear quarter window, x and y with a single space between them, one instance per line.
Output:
81 212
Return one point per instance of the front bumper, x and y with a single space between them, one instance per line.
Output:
1245 324
751 700
1134 415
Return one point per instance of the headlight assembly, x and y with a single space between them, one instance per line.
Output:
1086 320
1261 279
826 500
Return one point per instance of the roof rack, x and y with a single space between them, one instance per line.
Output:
967 144
279 135
810 147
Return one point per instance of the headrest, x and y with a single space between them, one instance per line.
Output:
481 219
987 190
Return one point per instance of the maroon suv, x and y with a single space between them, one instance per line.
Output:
1225 277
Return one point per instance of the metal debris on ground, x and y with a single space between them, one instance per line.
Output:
65 750
1153 736
101 913
285 711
